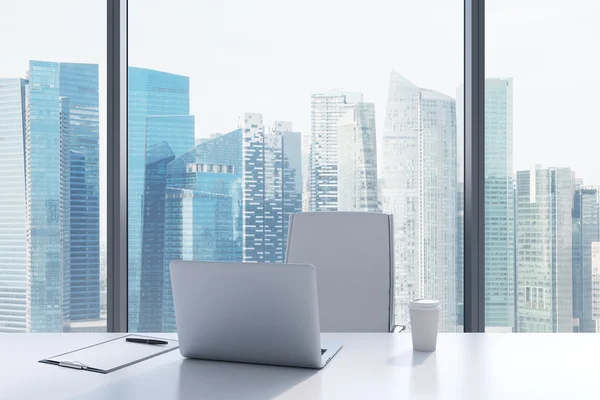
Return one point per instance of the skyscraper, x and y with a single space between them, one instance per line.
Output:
158 112
419 189
544 250
203 208
61 152
357 159
595 252
283 180
586 230
158 157
326 110
499 205
13 227
271 187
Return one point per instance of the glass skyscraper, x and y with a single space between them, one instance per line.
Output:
203 208
158 157
158 112
499 206
586 230
13 226
357 159
595 255
326 110
62 208
544 250
419 172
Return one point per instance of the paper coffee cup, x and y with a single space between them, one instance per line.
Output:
424 317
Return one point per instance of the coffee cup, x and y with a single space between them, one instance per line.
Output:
424 317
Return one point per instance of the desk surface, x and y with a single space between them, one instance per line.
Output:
370 366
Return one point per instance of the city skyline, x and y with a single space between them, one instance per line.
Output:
419 185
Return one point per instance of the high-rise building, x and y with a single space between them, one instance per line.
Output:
596 285
159 111
13 226
203 208
586 230
326 110
283 186
544 250
499 206
271 187
419 188
62 181
357 159
158 156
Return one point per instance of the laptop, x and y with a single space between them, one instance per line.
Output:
249 312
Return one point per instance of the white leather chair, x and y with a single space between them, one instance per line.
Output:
353 253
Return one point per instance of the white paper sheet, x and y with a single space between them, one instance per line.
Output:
114 354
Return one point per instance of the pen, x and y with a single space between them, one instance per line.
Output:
146 341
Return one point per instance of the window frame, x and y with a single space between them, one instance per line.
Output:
474 213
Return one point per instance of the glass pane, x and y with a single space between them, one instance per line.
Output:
542 221
52 158
238 117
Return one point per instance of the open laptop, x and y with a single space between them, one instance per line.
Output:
249 312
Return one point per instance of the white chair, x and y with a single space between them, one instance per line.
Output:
353 253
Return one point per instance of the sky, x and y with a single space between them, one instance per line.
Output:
269 56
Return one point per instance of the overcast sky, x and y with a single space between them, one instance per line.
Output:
268 56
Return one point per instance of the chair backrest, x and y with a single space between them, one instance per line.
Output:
354 258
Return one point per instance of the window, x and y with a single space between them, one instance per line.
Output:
52 158
541 177
233 125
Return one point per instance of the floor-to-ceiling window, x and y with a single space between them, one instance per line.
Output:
542 238
243 112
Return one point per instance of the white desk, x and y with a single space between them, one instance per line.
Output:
370 366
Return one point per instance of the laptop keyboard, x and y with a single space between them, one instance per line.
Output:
323 351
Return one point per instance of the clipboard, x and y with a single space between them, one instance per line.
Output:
111 355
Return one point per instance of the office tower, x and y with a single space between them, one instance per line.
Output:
158 156
326 110
283 161
158 112
586 230
419 189
270 186
62 181
13 227
357 159
253 178
544 251
499 205
595 253
203 208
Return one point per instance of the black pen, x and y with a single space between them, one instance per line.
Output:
146 341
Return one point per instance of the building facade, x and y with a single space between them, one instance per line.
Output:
272 187
419 171
203 208
544 250
357 159
586 230
499 206
13 226
158 111
596 285
326 110
63 207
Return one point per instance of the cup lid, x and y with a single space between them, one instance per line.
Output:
423 304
